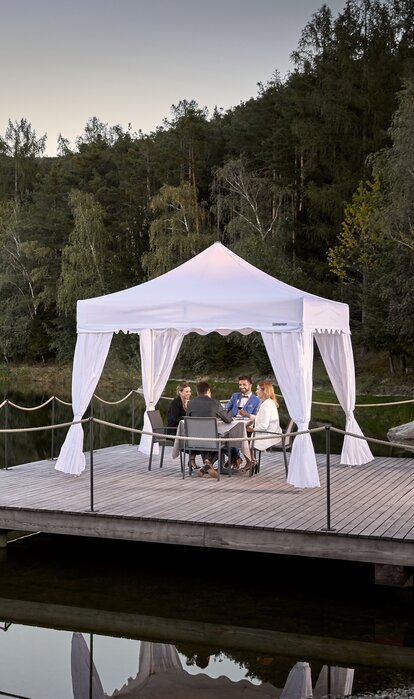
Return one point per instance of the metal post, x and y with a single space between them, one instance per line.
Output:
91 458
6 441
328 527
133 418
90 666
52 438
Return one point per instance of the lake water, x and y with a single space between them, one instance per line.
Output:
237 615
231 614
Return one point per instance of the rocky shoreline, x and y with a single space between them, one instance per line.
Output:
402 693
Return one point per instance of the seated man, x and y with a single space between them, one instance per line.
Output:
245 404
205 406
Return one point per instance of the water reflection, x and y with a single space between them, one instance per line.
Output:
160 673
44 663
207 613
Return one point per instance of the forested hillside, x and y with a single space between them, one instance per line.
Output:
312 181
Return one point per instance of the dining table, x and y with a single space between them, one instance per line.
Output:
234 430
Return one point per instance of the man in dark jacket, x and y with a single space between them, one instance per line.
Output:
206 406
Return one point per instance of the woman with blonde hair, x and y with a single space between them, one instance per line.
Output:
267 418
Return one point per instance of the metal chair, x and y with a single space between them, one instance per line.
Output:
194 428
285 446
157 425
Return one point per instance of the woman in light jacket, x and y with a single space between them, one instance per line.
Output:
267 417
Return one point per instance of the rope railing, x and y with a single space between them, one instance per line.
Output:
183 438
16 430
59 400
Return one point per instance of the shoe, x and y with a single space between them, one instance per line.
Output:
236 463
225 469
212 472
247 470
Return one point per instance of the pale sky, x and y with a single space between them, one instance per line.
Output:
128 61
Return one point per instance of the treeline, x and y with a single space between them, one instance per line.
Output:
312 181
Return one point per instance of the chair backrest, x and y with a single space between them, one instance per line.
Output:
157 423
288 434
196 427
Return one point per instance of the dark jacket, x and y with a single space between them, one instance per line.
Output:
204 406
175 413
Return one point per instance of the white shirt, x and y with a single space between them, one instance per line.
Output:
267 420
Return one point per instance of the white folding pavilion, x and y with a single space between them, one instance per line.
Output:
219 291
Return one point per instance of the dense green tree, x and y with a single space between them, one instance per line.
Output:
344 92
252 211
395 166
84 258
17 281
22 146
180 229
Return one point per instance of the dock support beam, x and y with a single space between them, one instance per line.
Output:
3 545
393 576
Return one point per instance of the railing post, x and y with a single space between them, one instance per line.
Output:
91 458
52 431
328 527
133 418
90 666
6 441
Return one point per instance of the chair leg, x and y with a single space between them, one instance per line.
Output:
190 453
162 455
285 460
150 458
257 455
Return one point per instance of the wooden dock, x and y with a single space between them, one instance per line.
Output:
371 506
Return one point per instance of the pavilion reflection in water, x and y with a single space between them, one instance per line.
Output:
160 674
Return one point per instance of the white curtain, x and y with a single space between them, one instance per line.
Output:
338 357
159 349
298 684
291 356
90 354
334 681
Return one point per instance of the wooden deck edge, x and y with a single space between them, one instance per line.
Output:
321 544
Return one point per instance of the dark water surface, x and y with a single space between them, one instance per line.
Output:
248 615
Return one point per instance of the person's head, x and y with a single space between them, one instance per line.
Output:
265 390
184 391
203 389
202 660
245 384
